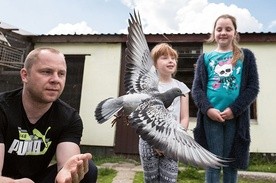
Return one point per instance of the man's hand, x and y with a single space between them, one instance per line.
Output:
24 180
9 180
74 169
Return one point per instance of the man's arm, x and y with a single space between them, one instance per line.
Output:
2 153
72 165
7 179
65 150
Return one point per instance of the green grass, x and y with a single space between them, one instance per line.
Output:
99 160
263 168
258 163
106 175
138 177
193 175
190 175
262 163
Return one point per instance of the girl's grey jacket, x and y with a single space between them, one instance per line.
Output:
240 107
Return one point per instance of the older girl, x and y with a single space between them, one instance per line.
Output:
225 84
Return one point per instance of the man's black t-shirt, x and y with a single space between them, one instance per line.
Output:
29 148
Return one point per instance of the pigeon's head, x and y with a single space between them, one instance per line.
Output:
170 95
176 92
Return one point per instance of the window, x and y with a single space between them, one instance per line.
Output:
188 55
11 58
11 61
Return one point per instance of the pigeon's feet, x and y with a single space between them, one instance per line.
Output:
117 117
121 117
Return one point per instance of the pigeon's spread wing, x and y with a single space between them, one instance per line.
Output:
140 75
158 127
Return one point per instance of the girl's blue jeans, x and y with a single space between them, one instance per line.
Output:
220 137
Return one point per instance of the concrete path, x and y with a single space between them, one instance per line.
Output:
258 175
126 173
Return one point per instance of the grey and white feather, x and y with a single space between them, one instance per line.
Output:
140 79
156 125
141 75
146 108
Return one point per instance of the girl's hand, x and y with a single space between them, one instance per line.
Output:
215 115
158 152
227 114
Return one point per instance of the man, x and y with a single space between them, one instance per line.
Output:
35 126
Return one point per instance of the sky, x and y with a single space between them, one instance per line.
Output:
111 16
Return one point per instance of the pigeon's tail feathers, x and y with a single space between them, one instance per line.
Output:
108 108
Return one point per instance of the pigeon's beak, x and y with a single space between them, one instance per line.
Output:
183 95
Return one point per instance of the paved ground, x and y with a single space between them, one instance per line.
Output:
126 172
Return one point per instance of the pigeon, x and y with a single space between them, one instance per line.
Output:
146 108
129 102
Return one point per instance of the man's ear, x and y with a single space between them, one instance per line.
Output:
23 74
